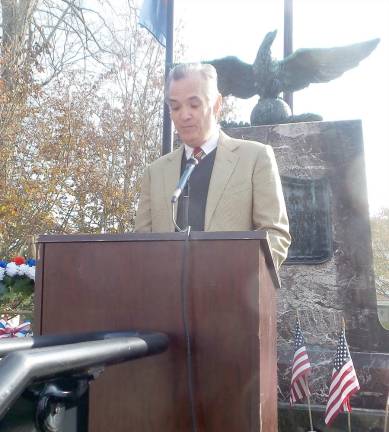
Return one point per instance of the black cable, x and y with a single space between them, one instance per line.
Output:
185 319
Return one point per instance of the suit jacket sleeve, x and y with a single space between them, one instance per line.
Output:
269 210
143 215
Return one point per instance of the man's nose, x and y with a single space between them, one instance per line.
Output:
186 113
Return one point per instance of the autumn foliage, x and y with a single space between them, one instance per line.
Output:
73 148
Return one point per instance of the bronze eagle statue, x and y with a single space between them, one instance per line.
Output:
268 77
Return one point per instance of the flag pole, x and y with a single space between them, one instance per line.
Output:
167 141
306 384
310 412
386 414
288 42
348 411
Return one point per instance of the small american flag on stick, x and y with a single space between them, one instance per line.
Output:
301 368
8 330
344 381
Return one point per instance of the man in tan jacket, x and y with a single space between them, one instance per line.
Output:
236 185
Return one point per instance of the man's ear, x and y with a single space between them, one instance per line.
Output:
217 107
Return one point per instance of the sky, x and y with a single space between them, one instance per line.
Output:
212 29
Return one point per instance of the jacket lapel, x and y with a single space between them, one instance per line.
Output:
224 166
171 176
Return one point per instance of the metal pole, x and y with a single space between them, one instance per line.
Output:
167 141
21 368
288 41
309 408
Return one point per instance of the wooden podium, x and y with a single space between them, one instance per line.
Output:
134 282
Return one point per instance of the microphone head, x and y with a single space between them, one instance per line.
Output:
193 161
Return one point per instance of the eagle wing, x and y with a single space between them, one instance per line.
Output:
235 77
317 65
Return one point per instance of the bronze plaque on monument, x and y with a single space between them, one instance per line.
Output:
308 204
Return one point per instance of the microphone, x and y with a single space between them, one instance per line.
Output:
190 166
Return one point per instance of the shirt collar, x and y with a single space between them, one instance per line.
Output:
207 147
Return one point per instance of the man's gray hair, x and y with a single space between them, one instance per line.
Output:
206 71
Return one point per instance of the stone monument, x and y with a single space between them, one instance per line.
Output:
329 273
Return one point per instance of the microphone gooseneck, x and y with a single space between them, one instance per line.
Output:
190 166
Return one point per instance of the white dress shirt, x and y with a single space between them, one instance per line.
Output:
207 147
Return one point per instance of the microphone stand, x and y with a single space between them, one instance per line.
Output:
187 228
185 270
183 187
186 207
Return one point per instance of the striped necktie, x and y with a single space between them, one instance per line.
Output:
198 153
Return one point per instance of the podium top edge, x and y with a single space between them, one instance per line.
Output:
137 237
260 235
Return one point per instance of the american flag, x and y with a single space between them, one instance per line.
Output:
344 382
301 368
8 330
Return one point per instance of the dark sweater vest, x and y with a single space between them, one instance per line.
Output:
198 192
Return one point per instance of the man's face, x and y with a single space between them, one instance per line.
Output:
192 113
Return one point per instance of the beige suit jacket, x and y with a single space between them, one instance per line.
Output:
244 193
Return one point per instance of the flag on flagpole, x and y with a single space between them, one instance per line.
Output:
344 382
153 17
301 368
8 330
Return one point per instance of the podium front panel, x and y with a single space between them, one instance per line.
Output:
132 282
